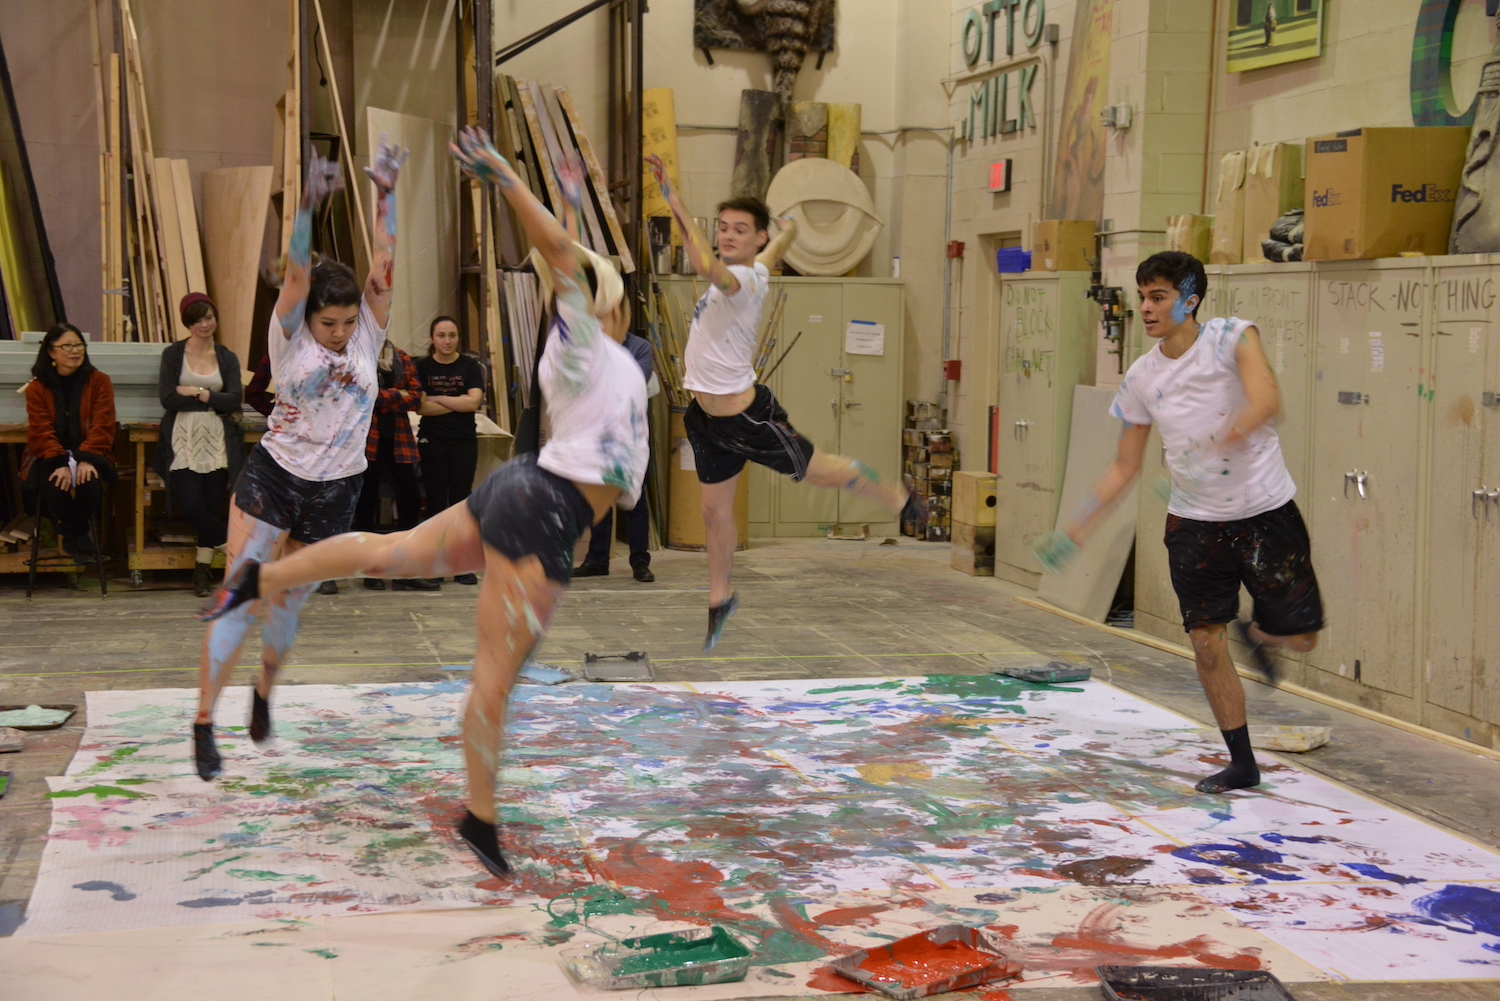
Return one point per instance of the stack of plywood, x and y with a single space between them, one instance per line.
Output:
535 127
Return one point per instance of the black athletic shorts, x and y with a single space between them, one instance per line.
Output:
1270 554
524 510
760 434
309 510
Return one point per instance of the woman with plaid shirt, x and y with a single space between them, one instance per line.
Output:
391 451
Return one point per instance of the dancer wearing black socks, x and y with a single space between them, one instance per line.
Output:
522 523
1231 519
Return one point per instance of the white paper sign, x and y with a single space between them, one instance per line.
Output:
864 337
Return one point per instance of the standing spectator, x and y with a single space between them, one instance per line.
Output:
200 449
391 454
453 385
637 520
70 435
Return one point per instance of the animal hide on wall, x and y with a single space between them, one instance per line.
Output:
786 29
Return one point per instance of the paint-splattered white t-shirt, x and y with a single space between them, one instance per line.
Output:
323 400
1193 400
721 340
595 396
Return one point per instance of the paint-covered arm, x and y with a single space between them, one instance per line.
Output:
1054 552
1262 397
699 254
323 179
785 234
383 171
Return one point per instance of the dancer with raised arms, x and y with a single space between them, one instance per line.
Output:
521 525
733 419
301 483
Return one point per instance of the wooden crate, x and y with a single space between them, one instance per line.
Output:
974 498
973 550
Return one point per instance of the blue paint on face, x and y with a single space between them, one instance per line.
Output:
1467 909
1182 309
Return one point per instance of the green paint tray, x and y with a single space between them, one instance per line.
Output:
673 959
1052 673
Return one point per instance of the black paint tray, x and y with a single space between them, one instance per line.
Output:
632 666
1053 673
1175 983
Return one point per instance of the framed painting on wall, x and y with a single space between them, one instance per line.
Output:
1271 32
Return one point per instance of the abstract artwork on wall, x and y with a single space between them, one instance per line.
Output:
1271 32
785 29
1078 180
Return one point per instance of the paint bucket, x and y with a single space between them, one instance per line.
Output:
684 517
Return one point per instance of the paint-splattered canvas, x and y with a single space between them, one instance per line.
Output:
807 816
1271 32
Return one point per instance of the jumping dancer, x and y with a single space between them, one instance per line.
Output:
301 483
522 523
1231 518
733 419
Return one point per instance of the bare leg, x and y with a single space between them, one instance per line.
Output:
1226 697
721 536
441 546
516 601
1295 644
249 538
839 472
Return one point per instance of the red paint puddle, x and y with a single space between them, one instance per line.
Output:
786 915
917 962
1098 943
686 890
824 978
843 917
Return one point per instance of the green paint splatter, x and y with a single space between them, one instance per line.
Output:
114 757
267 875
99 792
325 953
589 902
889 686
781 947
210 868
270 945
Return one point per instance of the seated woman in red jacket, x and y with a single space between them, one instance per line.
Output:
70 435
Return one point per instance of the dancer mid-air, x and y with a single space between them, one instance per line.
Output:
522 523
300 484
733 419
1231 519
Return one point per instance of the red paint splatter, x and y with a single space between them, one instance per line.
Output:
684 890
1098 942
826 978
843 917
786 915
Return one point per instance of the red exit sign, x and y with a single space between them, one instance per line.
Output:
1000 175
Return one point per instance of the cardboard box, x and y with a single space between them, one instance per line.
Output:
1229 211
973 550
1382 192
1273 185
1191 234
974 498
1062 245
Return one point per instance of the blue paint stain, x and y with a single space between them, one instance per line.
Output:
1240 855
116 891
1375 872
1220 815
211 902
1277 839
1467 909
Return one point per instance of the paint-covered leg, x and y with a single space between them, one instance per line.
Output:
515 603
278 635
840 472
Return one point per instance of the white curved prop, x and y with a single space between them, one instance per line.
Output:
835 216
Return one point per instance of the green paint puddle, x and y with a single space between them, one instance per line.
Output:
100 792
783 948
671 951
590 902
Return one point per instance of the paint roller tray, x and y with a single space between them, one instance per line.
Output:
1052 673
53 722
1172 983
950 958
673 959
632 666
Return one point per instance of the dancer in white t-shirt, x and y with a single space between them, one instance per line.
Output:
733 419
522 523
300 484
1231 519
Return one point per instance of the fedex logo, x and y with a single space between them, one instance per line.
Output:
1424 193
1327 198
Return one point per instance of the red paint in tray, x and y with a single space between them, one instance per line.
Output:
953 957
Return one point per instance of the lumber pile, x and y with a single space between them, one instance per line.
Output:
151 254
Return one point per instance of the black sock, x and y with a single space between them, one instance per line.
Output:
1242 772
481 837
205 755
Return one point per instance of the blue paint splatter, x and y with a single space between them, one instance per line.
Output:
1375 872
116 891
1217 815
1467 909
211 902
1240 855
1277 839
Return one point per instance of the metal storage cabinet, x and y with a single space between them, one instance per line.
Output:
1463 512
1368 416
1047 334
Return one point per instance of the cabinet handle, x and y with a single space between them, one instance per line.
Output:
1348 479
1361 481
1021 427
839 373
834 406
1477 498
850 404
1493 498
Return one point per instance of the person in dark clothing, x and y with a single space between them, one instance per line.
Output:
200 449
70 435
453 388
637 520
391 451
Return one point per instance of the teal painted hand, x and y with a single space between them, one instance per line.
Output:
478 156
1162 487
1054 552
387 165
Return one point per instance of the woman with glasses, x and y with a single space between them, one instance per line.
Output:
70 435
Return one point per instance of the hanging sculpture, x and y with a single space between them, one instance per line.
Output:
1476 213
786 29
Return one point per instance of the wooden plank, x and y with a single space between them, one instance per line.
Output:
187 217
234 225
143 161
114 304
354 180
510 243
538 147
101 116
559 145
171 248
596 174
525 156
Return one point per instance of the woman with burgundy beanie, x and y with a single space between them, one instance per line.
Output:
201 447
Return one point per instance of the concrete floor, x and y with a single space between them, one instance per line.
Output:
811 609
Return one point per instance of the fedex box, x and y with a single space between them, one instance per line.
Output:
1382 192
